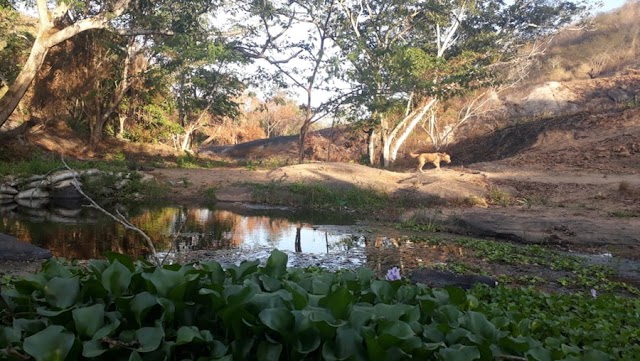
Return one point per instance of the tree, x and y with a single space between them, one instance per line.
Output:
406 56
54 27
293 38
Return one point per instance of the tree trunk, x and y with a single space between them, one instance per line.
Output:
372 147
410 127
19 87
303 138
386 146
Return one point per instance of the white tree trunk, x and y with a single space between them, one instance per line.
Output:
372 147
417 117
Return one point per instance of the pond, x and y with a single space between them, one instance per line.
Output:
226 231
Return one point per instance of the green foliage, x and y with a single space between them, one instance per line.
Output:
499 197
415 223
317 195
137 311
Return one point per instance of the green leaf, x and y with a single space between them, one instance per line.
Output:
539 354
52 268
116 278
165 281
280 320
596 355
457 296
93 348
215 271
186 334
276 265
268 351
135 356
149 338
245 268
478 324
383 290
88 320
9 336
141 304
460 353
339 302
51 344
123 259
62 293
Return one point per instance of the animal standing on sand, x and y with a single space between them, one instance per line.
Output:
434 158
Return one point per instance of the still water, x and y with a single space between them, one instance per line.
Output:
85 233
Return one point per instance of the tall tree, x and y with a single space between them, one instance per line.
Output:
293 38
405 56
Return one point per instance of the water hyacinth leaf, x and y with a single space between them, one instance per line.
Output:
339 302
539 354
270 284
30 283
149 338
141 304
383 290
280 319
187 334
348 343
268 351
9 336
307 340
457 296
390 312
62 292
93 348
478 324
460 353
107 330
123 259
164 280
52 268
29 326
393 332
135 356
88 320
596 355
276 266
515 344
215 271
245 268
116 278
51 344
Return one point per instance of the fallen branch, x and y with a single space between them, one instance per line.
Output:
121 219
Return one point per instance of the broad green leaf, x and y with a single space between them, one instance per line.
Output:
93 348
390 312
29 326
51 344
186 334
276 265
383 290
280 320
141 304
539 354
9 336
268 351
135 356
123 259
165 280
88 320
596 355
348 342
149 338
270 284
392 333
52 268
116 278
245 268
62 292
339 302
215 271
460 353
478 324
457 296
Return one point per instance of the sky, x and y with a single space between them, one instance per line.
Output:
611 4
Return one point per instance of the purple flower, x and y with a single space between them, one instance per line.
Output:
393 274
594 294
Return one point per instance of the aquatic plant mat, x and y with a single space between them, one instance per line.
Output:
117 309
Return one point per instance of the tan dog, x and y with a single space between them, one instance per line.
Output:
434 158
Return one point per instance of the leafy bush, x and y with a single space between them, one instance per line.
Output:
120 310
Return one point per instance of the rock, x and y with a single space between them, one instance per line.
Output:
69 192
33 202
146 178
5 189
32 193
439 279
42 183
12 249
67 183
62 176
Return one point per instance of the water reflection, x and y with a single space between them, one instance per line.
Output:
85 233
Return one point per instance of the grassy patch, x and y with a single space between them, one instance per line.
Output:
42 164
421 221
580 273
624 214
317 195
268 163
499 197
190 161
